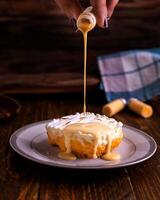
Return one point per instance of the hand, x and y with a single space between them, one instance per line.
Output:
103 9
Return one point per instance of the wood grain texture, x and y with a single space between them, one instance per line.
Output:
24 179
45 83
40 39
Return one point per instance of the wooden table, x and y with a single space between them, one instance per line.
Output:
23 179
31 43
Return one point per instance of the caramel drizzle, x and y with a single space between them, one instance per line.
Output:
84 27
109 155
85 69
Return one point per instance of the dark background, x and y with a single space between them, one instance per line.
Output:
35 36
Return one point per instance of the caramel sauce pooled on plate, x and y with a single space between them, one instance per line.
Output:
67 156
109 155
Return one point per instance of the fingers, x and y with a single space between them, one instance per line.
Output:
70 7
103 9
100 9
111 6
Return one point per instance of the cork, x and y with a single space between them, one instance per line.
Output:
113 107
140 108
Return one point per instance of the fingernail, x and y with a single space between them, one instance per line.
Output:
73 23
106 22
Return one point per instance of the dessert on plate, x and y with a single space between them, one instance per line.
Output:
85 135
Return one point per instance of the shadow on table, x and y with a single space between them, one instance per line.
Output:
26 168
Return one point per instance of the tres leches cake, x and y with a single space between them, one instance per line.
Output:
85 135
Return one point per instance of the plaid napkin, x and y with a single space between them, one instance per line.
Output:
129 74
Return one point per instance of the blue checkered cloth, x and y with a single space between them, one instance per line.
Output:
129 74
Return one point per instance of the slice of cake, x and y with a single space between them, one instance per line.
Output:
84 135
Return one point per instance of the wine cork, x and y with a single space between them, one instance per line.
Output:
140 108
113 107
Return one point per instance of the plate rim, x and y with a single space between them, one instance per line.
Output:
25 155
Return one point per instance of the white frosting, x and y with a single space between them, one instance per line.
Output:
113 128
62 122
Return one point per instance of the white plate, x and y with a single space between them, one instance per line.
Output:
31 142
